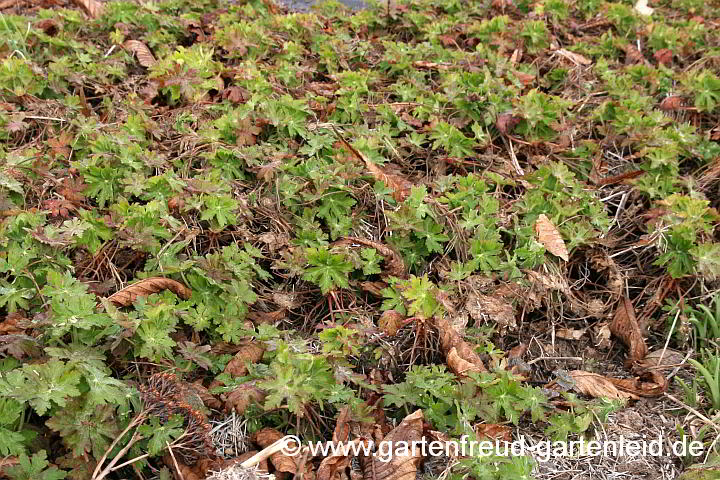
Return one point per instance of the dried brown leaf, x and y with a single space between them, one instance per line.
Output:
332 466
453 345
208 399
570 333
403 461
282 463
664 56
525 78
576 58
672 103
91 7
267 318
143 288
662 359
243 396
141 52
460 366
648 384
493 431
249 352
625 326
633 55
505 122
549 236
595 385
493 308
391 321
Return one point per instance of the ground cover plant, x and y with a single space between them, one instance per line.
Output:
222 222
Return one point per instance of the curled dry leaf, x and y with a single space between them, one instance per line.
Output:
633 55
493 431
141 51
648 384
570 333
243 396
662 359
672 103
493 308
549 236
249 352
391 321
625 326
664 56
91 7
595 385
208 399
455 347
143 288
267 318
505 123
460 366
334 464
576 58
404 461
394 264
282 463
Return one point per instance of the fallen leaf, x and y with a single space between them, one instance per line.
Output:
460 366
625 326
455 347
431 65
672 103
493 431
332 465
243 396
633 55
664 56
595 385
525 78
642 8
402 462
602 336
662 359
49 26
249 352
391 321
143 288
576 58
648 384
91 7
282 463
505 122
570 333
267 318
141 52
493 308
208 399
549 236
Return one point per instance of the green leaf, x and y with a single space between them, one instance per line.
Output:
85 428
35 468
161 434
327 270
